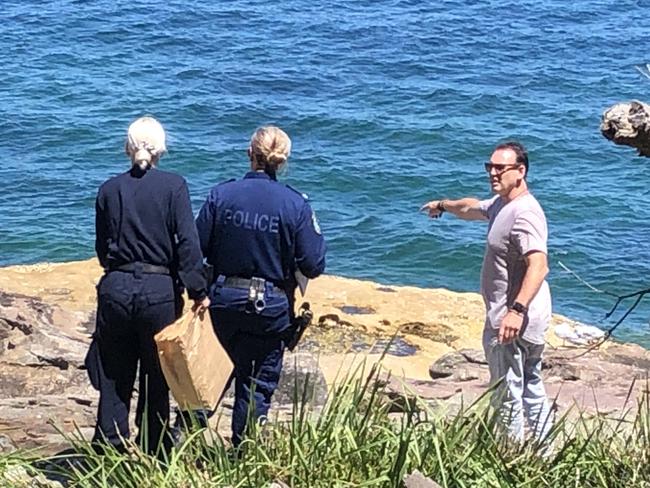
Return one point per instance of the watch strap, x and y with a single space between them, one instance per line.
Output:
520 308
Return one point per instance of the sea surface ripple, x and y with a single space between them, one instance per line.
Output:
389 104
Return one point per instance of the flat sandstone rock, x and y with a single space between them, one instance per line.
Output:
47 315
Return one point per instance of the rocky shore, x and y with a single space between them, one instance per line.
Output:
432 338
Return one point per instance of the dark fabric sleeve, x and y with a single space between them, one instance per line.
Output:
310 244
190 261
205 226
101 231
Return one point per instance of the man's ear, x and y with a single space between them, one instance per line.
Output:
126 149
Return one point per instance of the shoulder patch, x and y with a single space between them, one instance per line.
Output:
303 195
315 223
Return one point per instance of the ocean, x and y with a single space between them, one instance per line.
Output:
389 104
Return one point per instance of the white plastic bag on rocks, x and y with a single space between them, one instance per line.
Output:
578 334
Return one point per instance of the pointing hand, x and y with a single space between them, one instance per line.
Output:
432 208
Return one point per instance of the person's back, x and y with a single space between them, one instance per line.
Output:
135 232
257 232
148 245
140 214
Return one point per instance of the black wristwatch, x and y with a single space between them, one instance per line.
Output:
441 206
520 308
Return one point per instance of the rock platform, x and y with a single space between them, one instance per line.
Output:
430 341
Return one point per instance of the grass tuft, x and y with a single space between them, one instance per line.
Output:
355 440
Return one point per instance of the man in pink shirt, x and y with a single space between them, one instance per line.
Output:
516 295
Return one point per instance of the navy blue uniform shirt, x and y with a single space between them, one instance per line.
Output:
147 217
259 227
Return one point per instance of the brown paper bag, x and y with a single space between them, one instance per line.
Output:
194 362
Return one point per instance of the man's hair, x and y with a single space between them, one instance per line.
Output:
519 150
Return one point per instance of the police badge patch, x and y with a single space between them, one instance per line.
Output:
314 221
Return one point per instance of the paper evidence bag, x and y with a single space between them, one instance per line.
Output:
195 364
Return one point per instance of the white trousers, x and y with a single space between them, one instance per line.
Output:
521 395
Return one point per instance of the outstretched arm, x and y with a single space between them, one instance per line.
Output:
465 208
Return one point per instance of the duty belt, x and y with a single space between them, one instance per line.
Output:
144 267
237 282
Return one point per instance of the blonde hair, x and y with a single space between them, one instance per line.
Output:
145 142
270 146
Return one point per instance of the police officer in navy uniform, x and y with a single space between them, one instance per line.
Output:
257 233
147 243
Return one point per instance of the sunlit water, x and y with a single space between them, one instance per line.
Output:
388 103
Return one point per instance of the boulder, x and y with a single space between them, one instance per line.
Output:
17 477
474 356
301 378
446 365
628 124
418 480
461 365
42 349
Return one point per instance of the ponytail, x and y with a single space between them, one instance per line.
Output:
145 142
142 158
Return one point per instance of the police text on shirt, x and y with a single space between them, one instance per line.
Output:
252 221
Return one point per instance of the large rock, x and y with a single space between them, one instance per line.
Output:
42 348
301 378
418 480
464 365
628 124
595 381
17 477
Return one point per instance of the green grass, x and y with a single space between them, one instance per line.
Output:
355 440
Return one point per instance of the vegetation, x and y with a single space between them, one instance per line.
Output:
356 440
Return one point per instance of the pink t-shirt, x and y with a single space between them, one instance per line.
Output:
516 228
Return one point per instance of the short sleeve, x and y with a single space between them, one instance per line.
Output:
486 206
529 233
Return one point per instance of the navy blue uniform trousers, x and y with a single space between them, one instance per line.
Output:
132 308
257 359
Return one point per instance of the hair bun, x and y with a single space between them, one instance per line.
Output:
142 158
271 145
276 158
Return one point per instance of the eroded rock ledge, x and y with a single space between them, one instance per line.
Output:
628 124
47 315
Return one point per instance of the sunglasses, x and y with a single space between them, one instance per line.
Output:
499 168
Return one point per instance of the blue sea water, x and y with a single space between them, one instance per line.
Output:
389 104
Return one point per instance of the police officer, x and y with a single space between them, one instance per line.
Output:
257 233
147 243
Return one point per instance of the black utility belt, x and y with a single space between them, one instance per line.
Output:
257 289
142 267
248 283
